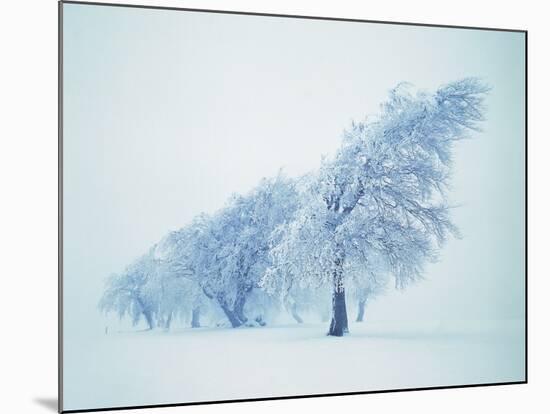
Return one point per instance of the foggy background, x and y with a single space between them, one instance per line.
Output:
168 113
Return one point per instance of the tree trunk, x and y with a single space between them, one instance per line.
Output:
149 319
168 322
345 317
195 318
231 316
260 321
361 310
146 312
339 322
238 308
295 315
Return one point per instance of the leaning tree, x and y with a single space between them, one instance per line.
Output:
230 251
384 194
176 281
365 282
128 293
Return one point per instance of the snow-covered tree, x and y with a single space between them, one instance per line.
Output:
230 252
154 288
127 293
178 291
300 300
365 283
383 195
378 207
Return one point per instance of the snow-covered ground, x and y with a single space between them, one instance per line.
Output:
186 365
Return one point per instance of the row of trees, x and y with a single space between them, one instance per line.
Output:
376 210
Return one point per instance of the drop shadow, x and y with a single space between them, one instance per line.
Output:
49 403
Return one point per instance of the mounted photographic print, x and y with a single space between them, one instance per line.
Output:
262 206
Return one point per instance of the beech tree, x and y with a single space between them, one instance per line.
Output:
176 282
299 300
366 282
154 288
127 294
383 194
228 252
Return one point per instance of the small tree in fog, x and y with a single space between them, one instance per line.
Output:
127 294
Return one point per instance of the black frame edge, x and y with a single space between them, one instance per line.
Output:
293 397
294 16
526 205
60 208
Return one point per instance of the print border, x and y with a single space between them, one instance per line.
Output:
60 204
